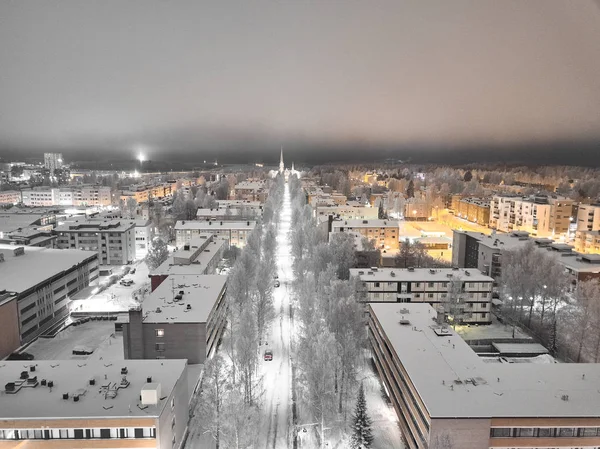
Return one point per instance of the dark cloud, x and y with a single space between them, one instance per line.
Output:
220 78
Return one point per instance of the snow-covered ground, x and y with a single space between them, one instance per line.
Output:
277 373
116 298
97 335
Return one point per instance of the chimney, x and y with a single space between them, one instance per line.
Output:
441 316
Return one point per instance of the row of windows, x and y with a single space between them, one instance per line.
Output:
77 434
544 432
29 319
27 308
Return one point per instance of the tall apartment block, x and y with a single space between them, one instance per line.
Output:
35 287
183 318
113 240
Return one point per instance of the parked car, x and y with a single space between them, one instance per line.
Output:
82 350
20 356
268 355
277 284
132 271
126 282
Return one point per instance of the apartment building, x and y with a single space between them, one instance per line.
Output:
417 209
348 212
10 197
68 404
385 233
234 230
539 215
484 252
143 236
142 193
251 191
561 213
469 291
40 196
587 242
53 161
113 240
40 281
200 256
67 196
475 210
183 318
30 236
588 217
445 395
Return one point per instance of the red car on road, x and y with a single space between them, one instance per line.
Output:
268 355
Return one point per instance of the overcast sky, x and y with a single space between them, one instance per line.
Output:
235 76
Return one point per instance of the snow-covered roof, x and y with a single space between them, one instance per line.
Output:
195 265
36 265
520 348
454 382
215 225
419 274
73 377
367 223
83 225
201 292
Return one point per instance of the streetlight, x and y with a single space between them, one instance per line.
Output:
141 158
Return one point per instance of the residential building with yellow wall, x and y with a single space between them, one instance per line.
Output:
383 232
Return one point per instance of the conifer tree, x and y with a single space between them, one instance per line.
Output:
362 434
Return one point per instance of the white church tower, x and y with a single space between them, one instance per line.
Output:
281 166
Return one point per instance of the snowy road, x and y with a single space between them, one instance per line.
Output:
277 373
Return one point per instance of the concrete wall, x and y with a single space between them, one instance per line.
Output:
9 328
181 340
460 433
177 409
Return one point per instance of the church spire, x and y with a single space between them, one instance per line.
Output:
281 166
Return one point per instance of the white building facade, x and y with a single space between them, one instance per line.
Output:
471 289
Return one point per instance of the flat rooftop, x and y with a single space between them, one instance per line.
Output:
419 274
215 225
238 203
73 376
200 292
197 265
367 223
36 265
499 241
12 222
83 225
454 382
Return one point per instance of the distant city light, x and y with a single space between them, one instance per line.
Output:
141 158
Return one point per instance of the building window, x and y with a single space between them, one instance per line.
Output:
159 347
138 432
430 295
565 432
78 434
430 284
501 432
160 333
417 284
104 433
